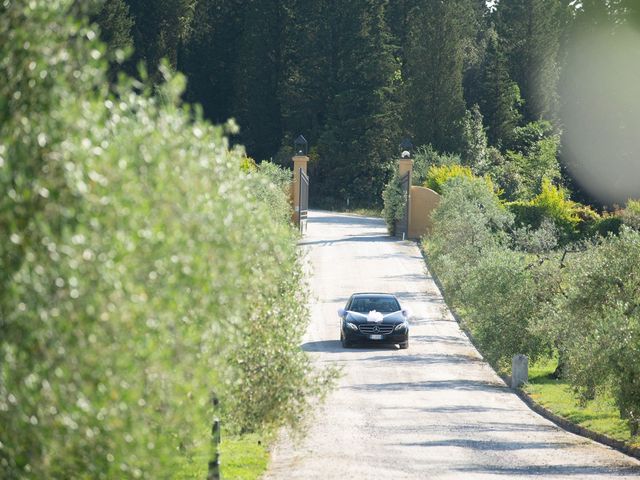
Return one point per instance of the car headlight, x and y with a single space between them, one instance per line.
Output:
401 326
350 325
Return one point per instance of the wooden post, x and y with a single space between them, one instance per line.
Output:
214 464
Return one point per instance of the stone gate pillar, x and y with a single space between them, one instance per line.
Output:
299 162
405 165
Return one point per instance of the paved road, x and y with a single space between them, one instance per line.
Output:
434 411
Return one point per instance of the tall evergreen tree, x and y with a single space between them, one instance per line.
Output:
256 76
209 56
159 28
531 32
305 70
359 138
115 24
499 96
435 57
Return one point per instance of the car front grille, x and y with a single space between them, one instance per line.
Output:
376 328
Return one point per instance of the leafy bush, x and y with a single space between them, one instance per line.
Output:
600 315
437 176
425 157
395 202
271 186
631 214
529 160
468 222
138 266
526 137
608 224
552 203
501 296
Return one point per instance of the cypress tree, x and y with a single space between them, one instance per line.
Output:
209 56
358 141
531 32
305 71
499 96
435 58
159 28
257 73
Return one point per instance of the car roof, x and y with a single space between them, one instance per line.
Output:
374 295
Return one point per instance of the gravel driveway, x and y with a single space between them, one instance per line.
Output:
434 411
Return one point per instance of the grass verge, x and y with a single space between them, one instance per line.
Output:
599 415
242 457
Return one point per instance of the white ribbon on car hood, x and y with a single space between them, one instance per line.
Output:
373 316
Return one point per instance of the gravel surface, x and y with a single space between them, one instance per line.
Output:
434 411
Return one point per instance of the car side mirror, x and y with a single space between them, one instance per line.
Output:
406 312
342 312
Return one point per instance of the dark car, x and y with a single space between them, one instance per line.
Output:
374 317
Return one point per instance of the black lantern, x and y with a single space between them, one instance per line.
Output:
300 145
406 148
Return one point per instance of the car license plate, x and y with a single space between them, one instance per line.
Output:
375 337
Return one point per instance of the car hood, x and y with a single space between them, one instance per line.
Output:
374 317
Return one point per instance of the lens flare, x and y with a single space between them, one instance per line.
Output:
601 113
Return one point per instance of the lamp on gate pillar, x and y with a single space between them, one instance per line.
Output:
405 148
300 145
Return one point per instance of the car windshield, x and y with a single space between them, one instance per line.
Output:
379 304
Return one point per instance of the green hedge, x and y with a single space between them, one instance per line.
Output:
140 269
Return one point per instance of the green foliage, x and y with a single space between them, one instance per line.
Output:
140 269
437 176
601 319
474 141
522 173
425 157
570 218
280 177
491 283
437 37
531 33
468 222
395 203
501 298
362 125
517 297
631 214
500 99
525 137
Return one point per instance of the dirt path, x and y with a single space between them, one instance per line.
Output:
434 411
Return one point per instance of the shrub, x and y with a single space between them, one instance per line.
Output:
631 214
395 203
551 203
606 225
501 297
137 265
469 221
437 176
601 322
425 157
525 138
271 185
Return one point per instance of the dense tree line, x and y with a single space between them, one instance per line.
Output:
356 76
